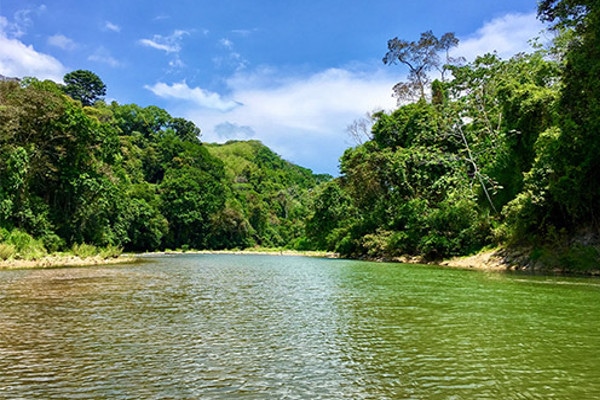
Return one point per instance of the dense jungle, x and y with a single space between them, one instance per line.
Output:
491 153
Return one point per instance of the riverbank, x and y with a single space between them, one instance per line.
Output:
63 260
494 260
490 260
68 260
254 251
520 259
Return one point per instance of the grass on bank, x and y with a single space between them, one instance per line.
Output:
258 250
18 245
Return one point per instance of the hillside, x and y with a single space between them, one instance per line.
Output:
124 176
269 193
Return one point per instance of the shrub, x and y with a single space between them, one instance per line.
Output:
20 240
111 251
4 234
580 257
302 244
7 251
25 245
84 250
53 242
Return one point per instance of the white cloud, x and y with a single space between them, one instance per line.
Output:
244 32
168 44
303 118
159 46
102 55
109 26
228 44
62 42
194 96
20 60
230 131
507 36
231 59
314 102
22 21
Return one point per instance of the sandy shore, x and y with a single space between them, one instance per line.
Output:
56 261
490 260
265 252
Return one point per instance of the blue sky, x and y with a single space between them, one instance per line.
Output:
293 74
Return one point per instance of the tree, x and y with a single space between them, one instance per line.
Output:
507 104
420 57
573 183
84 86
360 129
332 210
565 13
186 130
190 197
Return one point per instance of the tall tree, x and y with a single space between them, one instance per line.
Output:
565 13
84 86
574 193
420 57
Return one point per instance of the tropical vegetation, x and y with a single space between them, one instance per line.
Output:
135 177
491 152
477 154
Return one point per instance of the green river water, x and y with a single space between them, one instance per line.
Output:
277 327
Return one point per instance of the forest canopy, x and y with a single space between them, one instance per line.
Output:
76 171
487 153
479 154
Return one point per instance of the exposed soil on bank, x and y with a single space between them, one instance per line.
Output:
497 260
515 259
490 260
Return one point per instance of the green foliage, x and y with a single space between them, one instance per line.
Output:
7 251
449 176
269 197
84 86
84 250
25 246
53 243
110 251
565 13
189 197
505 151
561 191
412 188
332 209
132 177
573 186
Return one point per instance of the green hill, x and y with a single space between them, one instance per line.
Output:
135 178
269 195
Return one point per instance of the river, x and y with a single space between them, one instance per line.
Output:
278 327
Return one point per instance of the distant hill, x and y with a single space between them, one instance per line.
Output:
270 193
245 160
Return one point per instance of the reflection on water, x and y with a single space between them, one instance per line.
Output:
257 327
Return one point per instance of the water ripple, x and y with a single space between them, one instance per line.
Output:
222 327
